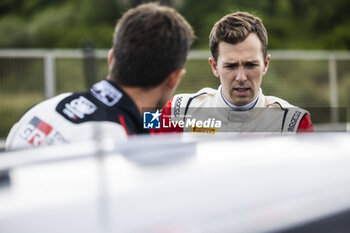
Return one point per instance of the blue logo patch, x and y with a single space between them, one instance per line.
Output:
151 120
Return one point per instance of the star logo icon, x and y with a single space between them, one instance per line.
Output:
155 115
151 120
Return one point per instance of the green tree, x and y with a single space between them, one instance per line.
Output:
291 24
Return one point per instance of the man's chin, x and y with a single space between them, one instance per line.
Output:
241 101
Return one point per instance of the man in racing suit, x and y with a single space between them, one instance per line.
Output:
142 74
238 44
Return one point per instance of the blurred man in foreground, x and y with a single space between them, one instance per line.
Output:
150 46
238 44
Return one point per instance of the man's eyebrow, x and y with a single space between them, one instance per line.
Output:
251 61
235 63
230 63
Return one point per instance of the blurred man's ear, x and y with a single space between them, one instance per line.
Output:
266 63
213 66
110 58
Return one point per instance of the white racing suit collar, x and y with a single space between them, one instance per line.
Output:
240 108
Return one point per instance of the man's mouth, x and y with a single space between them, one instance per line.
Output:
241 89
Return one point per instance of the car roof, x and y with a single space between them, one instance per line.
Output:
177 183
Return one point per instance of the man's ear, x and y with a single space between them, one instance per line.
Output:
266 63
174 78
213 66
110 58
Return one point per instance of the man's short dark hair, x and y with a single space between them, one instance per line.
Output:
150 42
235 28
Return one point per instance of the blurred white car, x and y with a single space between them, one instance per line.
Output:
190 184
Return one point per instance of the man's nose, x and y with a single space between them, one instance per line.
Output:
241 76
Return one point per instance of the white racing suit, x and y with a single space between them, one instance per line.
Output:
105 110
207 106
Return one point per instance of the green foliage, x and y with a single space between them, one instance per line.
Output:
58 24
14 32
339 37
292 24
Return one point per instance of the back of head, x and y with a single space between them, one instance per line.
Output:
150 42
235 28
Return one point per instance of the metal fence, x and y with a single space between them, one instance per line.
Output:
310 79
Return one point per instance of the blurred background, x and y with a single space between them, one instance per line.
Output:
49 47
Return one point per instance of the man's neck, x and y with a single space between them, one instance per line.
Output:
143 98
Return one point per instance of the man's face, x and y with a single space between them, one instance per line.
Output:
240 68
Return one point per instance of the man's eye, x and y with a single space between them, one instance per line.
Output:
251 65
231 66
